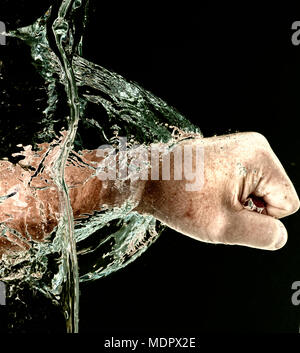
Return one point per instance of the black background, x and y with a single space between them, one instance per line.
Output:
233 66
218 66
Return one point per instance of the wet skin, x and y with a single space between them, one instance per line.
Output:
235 166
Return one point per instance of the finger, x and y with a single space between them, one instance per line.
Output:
277 190
255 230
280 197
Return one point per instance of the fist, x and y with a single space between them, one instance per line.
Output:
245 191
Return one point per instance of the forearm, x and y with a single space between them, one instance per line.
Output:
89 192
30 205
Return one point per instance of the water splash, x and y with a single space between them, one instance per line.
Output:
102 105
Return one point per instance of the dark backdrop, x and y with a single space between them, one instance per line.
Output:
218 66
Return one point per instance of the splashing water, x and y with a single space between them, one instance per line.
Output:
101 105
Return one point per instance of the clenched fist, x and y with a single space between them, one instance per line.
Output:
245 192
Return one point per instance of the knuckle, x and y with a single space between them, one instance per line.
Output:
258 137
256 145
258 140
293 206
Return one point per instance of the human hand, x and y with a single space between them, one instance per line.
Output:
235 167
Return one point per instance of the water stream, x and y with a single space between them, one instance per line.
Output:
88 106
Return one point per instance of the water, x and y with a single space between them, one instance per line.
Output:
88 106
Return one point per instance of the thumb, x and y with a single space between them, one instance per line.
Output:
255 230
